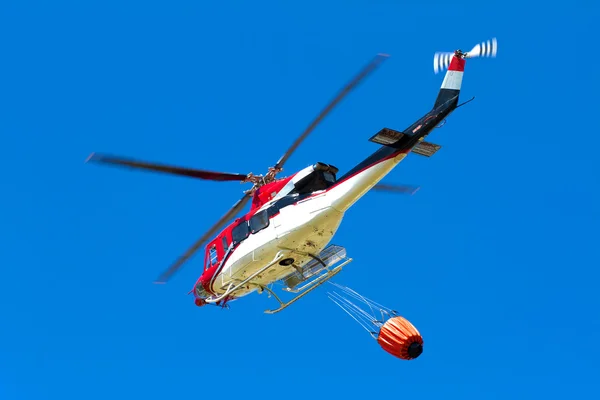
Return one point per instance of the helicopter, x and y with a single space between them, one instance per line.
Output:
285 236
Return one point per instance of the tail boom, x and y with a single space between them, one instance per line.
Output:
397 144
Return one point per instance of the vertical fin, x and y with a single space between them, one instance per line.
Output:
452 82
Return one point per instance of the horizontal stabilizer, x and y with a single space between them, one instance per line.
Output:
387 137
426 149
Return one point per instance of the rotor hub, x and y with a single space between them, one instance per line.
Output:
459 53
260 180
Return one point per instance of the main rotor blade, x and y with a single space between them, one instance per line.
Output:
208 235
407 189
351 85
191 173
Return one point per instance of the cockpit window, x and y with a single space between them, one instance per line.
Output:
201 292
259 221
225 244
213 255
240 232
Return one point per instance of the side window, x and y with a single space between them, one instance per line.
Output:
225 244
259 221
213 255
240 232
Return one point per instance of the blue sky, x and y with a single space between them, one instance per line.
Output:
495 259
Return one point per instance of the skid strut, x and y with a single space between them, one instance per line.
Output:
309 286
313 285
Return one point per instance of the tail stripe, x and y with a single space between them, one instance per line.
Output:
454 75
452 80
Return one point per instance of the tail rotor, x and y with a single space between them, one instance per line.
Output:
484 49
441 60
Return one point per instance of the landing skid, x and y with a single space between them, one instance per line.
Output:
319 270
312 285
328 258
232 288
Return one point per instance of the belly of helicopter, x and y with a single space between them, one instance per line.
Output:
297 231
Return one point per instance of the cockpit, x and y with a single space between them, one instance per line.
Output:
312 179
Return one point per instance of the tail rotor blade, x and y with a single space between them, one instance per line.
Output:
441 60
488 48
475 51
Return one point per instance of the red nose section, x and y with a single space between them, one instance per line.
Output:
199 302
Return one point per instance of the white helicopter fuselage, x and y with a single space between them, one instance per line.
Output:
298 230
